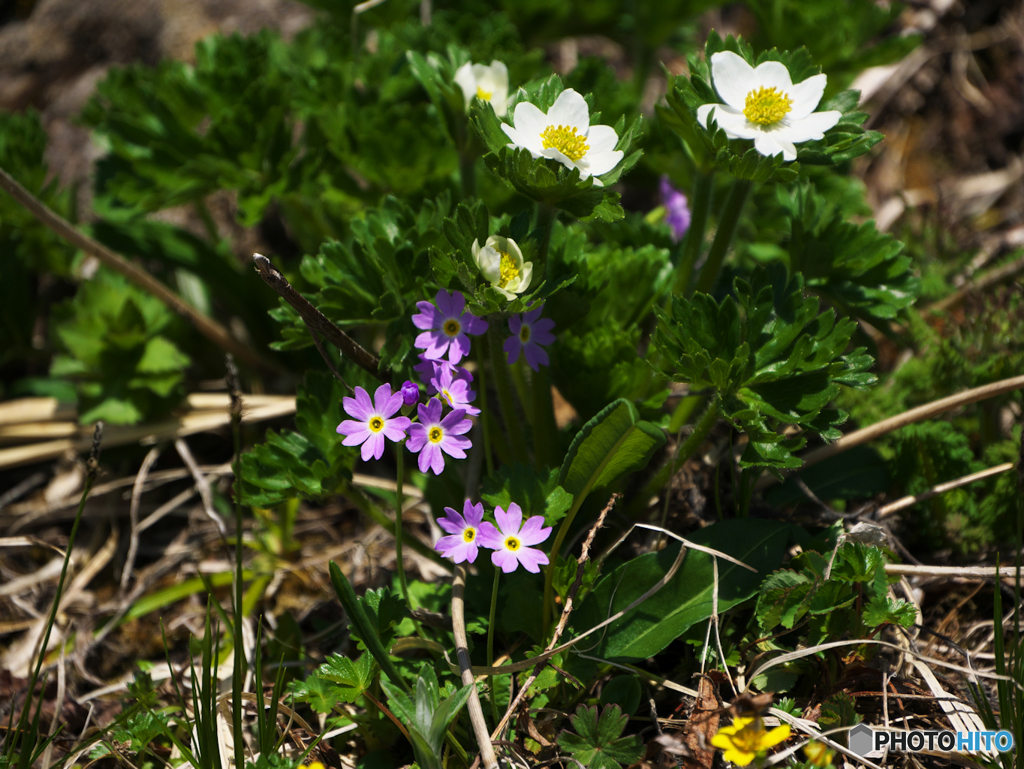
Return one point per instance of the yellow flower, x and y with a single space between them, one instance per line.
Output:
314 765
818 753
746 738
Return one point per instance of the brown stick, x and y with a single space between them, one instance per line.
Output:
476 714
208 327
316 320
918 414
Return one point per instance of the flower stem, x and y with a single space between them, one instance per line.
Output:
726 229
485 424
508 410
695 235
490 641
545 429
467 173
546 216
399 478
686 450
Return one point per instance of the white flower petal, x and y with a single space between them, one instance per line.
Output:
525 278
517 139
602 138
769 145
530 121
771 74
598 163
733 78
489 262
465 80
499 97
735 124
806 95
703 111
570 109
554 154
811 128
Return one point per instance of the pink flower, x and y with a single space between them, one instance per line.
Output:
529 334
510 540
462 543
432 435
453 391
427 369
375 421
445 326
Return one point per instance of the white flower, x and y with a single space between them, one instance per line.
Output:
483 82
763 104
501 262
565 135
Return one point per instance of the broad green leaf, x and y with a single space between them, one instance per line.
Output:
687 598
612 444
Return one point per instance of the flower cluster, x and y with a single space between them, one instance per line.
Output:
446 327
510 540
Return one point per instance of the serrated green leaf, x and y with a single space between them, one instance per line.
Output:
597 742
537 493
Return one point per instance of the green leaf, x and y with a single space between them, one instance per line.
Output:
309 463
784 598
855 474
687 598
321 695
612 444
597 742
385 611
772 357
537 493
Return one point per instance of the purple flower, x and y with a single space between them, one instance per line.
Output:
445 326
462 544
375 421
677 212
410 392
453 391
510 540
427 369
432 435
529 334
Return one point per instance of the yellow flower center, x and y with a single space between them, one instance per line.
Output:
446 396
468 534
524 334
482 94
566 141
512 543
435 434
452 327
766 106
376 424
509 271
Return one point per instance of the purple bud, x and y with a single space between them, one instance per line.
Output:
410 392
677 211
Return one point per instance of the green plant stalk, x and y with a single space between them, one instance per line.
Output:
545 429
25 756
402 581
519 380
358 617
700 205
686 450
490 642
467 174
546 216
508 411
485 423
684 410
723 238
399 478
381 519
